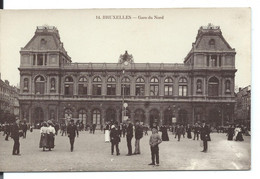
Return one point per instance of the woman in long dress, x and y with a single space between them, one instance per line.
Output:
50 136
43 140
236 130
239 136
165 136
230 132
188 129
107 133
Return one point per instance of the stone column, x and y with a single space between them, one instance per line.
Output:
118 116
147 116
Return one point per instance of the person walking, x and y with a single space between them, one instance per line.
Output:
94 128
154 142
196 131
138 136
129 136
239 136
204 135
50 135
72 131
230 132
57 127
124 129
114 139
24 128
165 136
43 139
178 132
7 130
188 130
107 132
15 135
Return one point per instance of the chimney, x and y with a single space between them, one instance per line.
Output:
240 89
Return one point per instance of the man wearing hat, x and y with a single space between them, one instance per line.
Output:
72 131
129 136
204 135
15 135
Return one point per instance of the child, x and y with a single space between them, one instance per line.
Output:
155 140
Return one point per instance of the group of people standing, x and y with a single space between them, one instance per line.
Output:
235 132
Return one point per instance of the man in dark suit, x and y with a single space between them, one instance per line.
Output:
129 136
72 131
15 135
204 136
138 136
196 131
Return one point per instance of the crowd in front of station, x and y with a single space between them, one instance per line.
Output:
114 131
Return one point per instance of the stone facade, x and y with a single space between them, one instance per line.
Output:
201 88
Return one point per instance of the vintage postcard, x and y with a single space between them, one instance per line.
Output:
125 89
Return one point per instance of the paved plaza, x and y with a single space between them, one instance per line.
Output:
93 154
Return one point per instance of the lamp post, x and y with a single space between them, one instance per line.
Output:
124 105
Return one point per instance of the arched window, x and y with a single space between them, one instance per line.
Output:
139 87
97 86
53 85
83 116
82 86
199 86
211 42
183 87
213 87
111 86
68 86
96 116
227 86
39 85
154 87
168 86
26 85
125 86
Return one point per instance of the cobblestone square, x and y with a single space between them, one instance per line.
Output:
93 154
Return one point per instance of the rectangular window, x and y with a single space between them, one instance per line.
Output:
39 59
111 89
68 90
183 90
220 58
154 90
34 59
126 89
168 90
82 90
139 90
214 60
96 89
45 59
39 88
207 60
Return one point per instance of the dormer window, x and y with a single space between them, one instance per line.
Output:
212 43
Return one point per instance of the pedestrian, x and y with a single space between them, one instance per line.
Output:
124 129
196 131
7 130
15 135
114 139
63 129
188 129
230 132
43 139
154 142
165 136
94 128
24 128
107 133
138 136
183 130
129 136
236 130
239 136
72 131
50 135
204 136
178 132
154 125
57 127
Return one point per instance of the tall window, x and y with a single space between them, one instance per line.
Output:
154 87
26 85
168 86
96 116
139 87
97 86
125 86
83 86
227 86
40 59
213 86
199 86
53 85
111 87
83 116
183 87
39 85
68 86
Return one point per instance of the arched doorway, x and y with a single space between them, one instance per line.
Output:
139 115
154 116
96 118
214 117
168 114
38 115
182 116
110 115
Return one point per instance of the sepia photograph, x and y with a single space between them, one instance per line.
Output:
125 90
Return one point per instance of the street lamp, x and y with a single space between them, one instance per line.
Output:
124 105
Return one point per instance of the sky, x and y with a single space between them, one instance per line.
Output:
88 39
